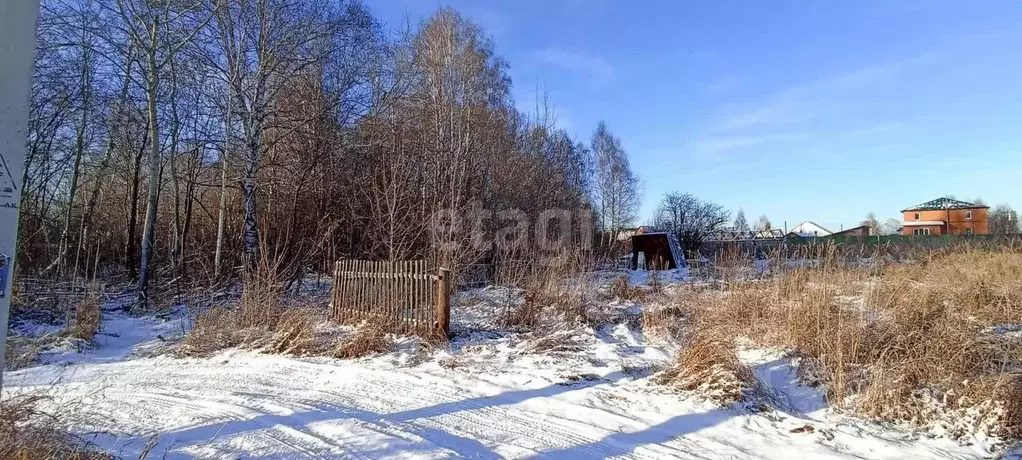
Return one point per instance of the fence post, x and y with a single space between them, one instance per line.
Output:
443 300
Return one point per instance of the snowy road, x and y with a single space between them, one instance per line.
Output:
278 407
263 406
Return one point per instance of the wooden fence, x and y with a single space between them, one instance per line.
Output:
407 295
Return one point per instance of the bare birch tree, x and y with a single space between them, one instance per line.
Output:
618 194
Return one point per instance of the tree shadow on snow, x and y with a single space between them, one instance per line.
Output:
787 396
294 430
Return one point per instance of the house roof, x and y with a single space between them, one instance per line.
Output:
810 228
649 234
850 230
941 204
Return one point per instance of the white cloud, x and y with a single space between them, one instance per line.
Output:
818 98
597 69
721 144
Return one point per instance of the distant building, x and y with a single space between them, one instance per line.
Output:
730 234
660 251
946 216
627 233
860 231
809 229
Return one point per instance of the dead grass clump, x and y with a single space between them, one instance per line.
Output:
22 351
555 341
744 308
296 333
371 338
255 319
571 306
982 284
621 288
88 314
666 322
524 316
1005 392
656 285
259 305
989 405
557 290
729 264
909 342
28 433
214 330
709 365
564 288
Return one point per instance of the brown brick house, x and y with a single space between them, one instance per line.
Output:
946 216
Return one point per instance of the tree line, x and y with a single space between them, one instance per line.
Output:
200 139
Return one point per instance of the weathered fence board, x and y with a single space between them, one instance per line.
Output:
405 294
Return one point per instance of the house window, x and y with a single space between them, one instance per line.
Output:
968 214
917 216
968 230
920 231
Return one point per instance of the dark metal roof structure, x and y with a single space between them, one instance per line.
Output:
941 204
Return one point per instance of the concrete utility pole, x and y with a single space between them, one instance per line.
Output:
17 52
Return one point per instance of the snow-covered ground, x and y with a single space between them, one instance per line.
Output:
489 394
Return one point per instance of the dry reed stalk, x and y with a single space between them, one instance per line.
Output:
524 316
557 289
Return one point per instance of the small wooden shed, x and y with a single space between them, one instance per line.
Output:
661 251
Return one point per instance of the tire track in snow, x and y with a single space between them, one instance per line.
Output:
179 397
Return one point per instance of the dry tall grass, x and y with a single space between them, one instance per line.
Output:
256 317
27 433
524 316
557 290
88 314
213 330
621 288
370 339
296 332
261 292
708 364
907 342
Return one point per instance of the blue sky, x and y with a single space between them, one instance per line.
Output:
800 110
